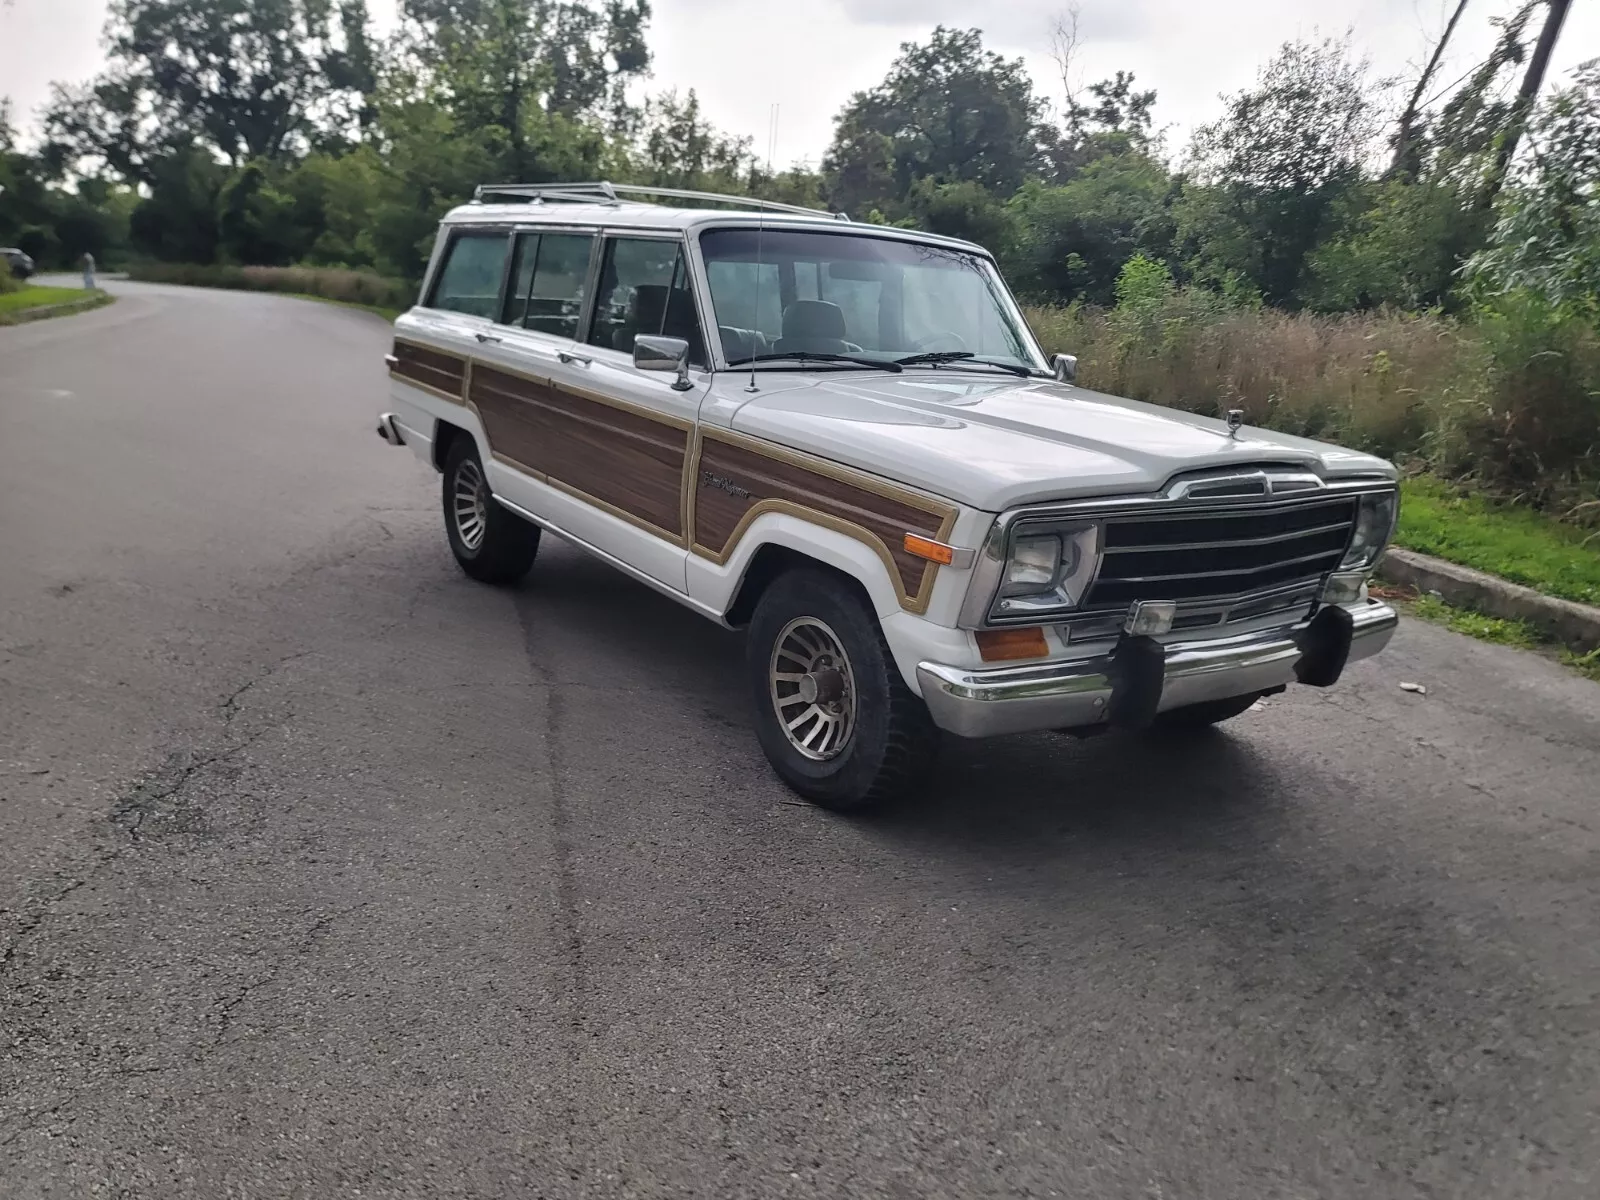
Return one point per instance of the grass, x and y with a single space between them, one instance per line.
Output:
1518 544
33 303
38 297
1501 632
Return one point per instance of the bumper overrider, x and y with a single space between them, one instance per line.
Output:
1142 677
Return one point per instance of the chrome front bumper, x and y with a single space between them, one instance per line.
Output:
1143 677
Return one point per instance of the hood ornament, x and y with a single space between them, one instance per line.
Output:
1235 420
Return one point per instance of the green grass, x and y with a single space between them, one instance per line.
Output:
1518 544
1484 628
1502 632
38 297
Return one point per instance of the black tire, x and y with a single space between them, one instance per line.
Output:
491 543
891 741
1206 714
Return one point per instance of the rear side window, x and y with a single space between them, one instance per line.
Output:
547 291
644 288
469 281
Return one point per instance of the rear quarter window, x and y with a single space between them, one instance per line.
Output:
469 280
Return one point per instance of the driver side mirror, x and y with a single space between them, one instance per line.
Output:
654 353
1065 367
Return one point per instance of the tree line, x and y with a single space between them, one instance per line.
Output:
274 132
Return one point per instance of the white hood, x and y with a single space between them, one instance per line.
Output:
997 443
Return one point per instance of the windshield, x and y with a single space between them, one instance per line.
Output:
788 291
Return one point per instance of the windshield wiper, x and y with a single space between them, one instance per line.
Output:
877 364
940 357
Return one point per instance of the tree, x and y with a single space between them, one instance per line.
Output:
1073 239
1403 164
1268 175
948 110
1547 236
249 79
513 63
1527 94
680 148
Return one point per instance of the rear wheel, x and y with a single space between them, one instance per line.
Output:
833 714
491 544
1206 714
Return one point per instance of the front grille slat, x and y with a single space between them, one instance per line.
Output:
1214 554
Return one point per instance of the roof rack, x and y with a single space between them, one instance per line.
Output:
604 192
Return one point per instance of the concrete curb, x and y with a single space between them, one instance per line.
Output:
45 312
1575 625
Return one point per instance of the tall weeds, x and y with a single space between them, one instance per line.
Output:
1509 399
330 283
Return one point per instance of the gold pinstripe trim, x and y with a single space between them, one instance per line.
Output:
916 602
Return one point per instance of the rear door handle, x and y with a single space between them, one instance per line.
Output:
567 356
488 337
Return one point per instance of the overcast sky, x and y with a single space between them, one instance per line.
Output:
808 56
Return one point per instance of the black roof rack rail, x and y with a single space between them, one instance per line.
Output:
603 192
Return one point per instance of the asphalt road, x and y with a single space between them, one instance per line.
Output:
326 872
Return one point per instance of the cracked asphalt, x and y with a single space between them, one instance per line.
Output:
325 872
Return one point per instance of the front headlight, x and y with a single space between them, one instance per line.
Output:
1048 570
1375 522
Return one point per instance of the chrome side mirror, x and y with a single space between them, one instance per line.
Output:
1065 367
653 353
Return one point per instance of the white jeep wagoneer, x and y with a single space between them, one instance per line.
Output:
845 439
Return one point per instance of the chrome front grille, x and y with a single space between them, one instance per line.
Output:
1202 555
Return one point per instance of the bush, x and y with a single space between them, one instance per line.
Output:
1511 398
330 283
8 282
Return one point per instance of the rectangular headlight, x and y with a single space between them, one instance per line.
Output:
1048 570
1375 520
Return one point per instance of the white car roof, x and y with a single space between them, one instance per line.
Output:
627 214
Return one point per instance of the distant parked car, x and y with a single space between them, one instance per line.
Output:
21 265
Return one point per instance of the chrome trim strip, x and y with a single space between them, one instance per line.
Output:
705 610
1159 547
1286 562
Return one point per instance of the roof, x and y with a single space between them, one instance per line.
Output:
600 205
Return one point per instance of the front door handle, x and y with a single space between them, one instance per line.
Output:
568 356
487 337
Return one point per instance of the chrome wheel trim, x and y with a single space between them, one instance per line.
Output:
468 505
813 689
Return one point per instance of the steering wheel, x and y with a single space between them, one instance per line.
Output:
946 339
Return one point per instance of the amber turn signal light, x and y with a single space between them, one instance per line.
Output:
1000 645
929 549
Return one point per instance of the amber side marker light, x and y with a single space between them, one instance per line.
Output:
929 549
1000 645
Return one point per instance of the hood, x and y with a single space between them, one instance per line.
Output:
997 443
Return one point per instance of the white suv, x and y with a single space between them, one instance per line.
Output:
844 438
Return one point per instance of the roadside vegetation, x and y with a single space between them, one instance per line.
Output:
359 289
20 301
1497 630
1412 268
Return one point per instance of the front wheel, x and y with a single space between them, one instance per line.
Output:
833 714
491 544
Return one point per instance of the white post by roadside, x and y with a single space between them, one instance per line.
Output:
88 272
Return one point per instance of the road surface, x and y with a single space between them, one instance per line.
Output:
325 872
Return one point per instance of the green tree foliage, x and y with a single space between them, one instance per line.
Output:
1546 237
1272 171
249 79
950 111
56 225
1072 239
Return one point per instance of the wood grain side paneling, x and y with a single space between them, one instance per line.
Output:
736 479
628 463
435 370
